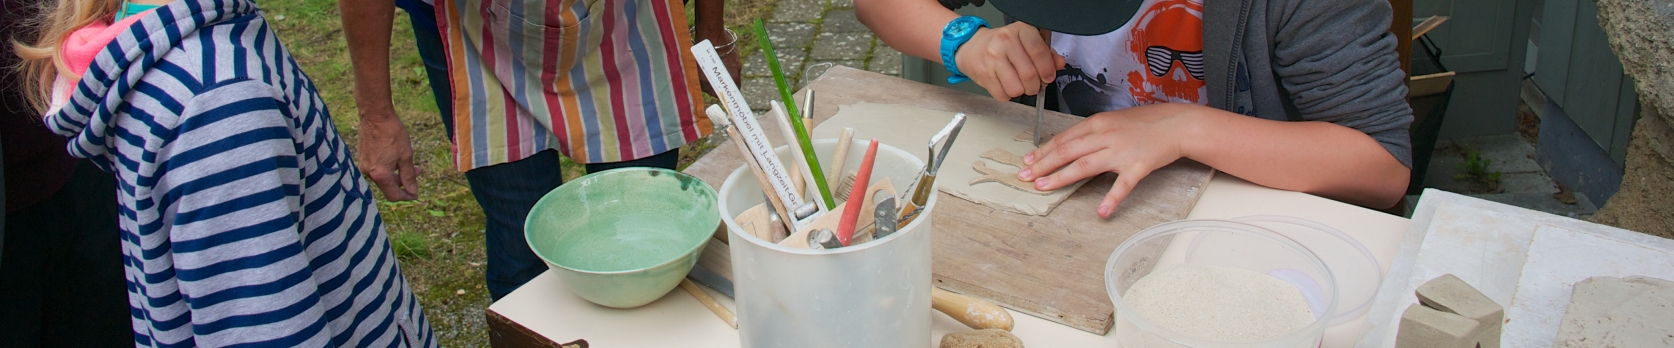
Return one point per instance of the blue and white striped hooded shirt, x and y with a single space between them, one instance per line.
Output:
244 222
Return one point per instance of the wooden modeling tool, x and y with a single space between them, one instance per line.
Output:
800 172
973 312
755 222
707 301
852 211
844 138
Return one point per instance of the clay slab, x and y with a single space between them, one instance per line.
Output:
910 128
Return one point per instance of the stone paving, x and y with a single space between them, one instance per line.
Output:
805 33
1523 182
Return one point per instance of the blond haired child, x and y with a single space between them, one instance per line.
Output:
244 221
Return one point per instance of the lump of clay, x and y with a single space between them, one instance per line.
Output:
985 338
1619 312
1450 294
1426 327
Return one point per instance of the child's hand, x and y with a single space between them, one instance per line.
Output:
1010 61
1130 142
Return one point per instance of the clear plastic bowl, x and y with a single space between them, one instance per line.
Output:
1217 243
1355 268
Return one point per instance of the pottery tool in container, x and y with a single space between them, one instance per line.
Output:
806 166
839 160
926 183
748 135
845 231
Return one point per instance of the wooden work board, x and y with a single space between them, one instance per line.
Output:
1048 266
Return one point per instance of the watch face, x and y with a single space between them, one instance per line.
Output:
957 27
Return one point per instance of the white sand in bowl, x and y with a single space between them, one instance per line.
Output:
1219 303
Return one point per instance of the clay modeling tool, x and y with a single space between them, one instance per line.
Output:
823 239
808 110
973 312
747 134
833 218
707 301
926 183
844 138
883 218
798 128
804 159
1040 108
852 211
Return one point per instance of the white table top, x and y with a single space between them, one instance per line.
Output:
546 307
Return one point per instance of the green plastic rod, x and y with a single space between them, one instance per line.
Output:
801 131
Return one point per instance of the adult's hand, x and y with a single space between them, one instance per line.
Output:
386 156
1009 61
385 153
1130 142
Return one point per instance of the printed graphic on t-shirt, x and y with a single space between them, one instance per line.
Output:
1157 57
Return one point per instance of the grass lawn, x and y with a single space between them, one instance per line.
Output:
439 237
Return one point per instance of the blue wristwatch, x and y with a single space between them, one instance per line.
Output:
957 32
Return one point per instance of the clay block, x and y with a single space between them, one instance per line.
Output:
1424 327
1635 311
985 338
1450 294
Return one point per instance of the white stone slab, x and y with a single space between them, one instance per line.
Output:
1482 242
1559 258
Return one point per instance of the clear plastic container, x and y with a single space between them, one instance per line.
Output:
1352 265
875 294
1217 243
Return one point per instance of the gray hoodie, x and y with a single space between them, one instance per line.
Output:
1301 60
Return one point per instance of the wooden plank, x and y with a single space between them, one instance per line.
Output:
1048 266
1430 84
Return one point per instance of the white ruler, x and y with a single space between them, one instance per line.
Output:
754 141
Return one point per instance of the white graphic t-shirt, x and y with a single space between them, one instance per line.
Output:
1157 57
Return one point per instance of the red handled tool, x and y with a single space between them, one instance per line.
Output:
851 210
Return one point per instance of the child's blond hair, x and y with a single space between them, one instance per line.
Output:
43 60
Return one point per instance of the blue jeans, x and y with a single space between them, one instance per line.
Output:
507 191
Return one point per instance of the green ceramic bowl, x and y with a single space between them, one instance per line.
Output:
623 237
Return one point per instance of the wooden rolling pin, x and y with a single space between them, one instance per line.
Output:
973 312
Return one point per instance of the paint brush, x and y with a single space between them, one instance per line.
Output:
851 211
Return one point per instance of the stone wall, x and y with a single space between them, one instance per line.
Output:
1642 35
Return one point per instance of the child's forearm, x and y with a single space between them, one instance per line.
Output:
913 27
1319 158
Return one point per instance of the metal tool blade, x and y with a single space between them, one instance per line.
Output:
702 275
946 136
1040 107
885 216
